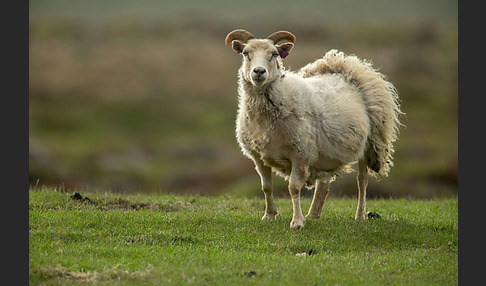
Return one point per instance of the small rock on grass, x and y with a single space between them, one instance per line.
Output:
251 273
310 252
77 196
373 215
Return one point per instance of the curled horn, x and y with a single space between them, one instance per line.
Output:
280 36
241 35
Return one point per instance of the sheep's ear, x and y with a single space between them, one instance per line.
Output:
237 46
284 49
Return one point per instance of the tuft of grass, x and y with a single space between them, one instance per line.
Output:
114 239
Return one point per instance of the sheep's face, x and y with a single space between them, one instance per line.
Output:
262 60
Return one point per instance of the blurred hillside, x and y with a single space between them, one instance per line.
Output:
141 96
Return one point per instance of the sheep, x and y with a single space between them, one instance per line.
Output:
310 126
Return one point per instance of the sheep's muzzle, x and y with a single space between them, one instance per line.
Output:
259 76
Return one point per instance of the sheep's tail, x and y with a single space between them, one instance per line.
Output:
381 100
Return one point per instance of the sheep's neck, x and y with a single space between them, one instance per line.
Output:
261 99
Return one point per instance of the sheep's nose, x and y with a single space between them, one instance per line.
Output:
259 70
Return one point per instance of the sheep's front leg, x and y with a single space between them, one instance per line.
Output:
362 184
298 176
320 194
267 188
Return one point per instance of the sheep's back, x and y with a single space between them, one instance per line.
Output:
339 117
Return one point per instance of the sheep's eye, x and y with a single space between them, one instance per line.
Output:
274 54
245 54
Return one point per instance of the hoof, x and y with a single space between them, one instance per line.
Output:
296 224
312 216
269 216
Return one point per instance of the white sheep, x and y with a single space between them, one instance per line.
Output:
310 126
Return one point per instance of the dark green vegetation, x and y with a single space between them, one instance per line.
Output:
192 240
142 97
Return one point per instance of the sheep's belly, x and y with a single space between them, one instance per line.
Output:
325 164
326 171
277 156
283 165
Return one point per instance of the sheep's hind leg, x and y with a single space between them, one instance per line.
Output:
320 194
298 176
267 188
362 184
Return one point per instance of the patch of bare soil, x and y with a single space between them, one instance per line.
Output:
124 204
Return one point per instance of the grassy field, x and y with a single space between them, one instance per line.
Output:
114 239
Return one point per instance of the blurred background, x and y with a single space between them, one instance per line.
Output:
140 96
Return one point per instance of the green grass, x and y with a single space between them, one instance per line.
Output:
191 240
